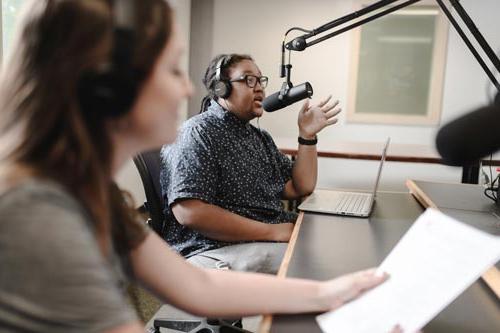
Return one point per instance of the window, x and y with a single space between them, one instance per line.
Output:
10 13
398 67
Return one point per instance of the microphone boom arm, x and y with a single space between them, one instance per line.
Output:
300 43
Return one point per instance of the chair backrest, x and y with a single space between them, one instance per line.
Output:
149 166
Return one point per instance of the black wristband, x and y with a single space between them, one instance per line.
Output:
306 142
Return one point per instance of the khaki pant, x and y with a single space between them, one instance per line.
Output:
249 257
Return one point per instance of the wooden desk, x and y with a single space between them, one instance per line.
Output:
467 203
410 153
326 246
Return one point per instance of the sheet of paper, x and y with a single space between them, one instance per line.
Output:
432 264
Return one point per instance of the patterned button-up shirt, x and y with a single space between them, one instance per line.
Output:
227 162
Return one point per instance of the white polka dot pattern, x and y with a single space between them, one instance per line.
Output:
224 161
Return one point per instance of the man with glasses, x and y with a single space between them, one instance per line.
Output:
224 179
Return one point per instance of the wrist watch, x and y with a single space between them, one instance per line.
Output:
307 142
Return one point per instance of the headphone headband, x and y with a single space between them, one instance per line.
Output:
124 33
112 91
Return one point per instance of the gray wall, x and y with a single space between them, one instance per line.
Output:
201 45
257 27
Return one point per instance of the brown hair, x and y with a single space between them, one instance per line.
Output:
41 123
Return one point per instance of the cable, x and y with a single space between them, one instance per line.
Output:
298 28
491 186
491 190
491 171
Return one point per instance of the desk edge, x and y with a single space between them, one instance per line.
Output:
492 275
265 324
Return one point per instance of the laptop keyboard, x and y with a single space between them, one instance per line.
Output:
352 202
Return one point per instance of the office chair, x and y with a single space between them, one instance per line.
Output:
149 165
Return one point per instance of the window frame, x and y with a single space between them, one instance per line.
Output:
435 85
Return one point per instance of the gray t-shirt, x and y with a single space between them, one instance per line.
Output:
53 277
226 162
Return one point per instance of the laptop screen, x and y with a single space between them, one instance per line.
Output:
382 159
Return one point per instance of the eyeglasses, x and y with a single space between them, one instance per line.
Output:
251 80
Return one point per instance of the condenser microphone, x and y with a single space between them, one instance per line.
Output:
279 100
471 137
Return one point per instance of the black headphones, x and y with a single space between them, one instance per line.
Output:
111 90
222 87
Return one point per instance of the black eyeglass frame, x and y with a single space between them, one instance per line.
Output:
245 78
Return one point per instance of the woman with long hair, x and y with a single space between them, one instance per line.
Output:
87 86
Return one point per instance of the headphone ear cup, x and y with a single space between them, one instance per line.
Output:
222 89
107 94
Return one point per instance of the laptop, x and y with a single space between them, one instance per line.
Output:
358 204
